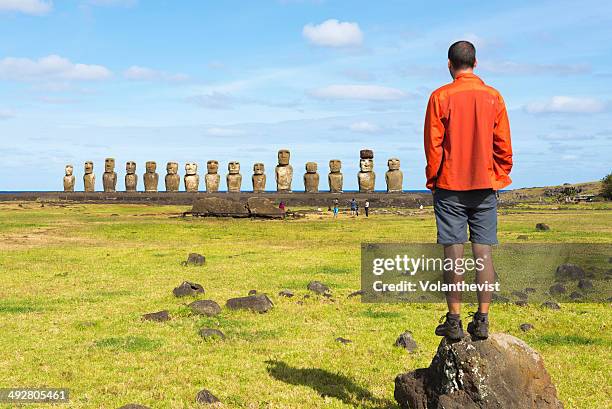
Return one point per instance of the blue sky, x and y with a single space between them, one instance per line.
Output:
238 80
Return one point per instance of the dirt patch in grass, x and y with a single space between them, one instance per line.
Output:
41 237
128 344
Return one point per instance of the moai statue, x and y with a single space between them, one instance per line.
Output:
259 178
394 176
284 171
234 178
109 178
212 177
335 178
192 179
89 179
131 178
69 179
311 178
366 176
173 180
151 177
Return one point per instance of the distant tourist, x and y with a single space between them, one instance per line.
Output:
353 207
469 158
366 207
335 208
282 206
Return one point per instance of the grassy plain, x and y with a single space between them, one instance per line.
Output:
75 280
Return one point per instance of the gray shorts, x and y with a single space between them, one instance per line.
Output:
456 210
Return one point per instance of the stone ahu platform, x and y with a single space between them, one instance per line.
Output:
320 199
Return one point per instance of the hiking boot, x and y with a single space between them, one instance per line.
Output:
450 327
479 327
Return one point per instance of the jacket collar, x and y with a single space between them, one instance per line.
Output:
468 76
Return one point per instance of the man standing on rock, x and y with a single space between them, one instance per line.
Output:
469 158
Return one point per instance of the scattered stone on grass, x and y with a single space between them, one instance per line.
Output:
206 397
406 341
257 302
211 333
317 287
585 284
575 295
569 271
188 288
285 293
526 327
134 406
159 316
343 340
194 259
356 293
542 227
252 292
551 305
205 307
522 237
521 303
519 294
530 290
499 298
499 372
557 289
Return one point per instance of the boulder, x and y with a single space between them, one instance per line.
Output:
406 341
569 271
159 316
575 295
134 406
257 302
585 284
542 227
521 303
206 397
208 333
343 340
317 287
500 372
188 288
356 293
262 207
286 293
551 305
218 207
557 289
252 292
205 307
195 259
526 327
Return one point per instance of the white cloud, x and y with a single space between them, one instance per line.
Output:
6 114
364 127
136 73
509 67
565 104
224 132
52 67
333 33
358 92
33 7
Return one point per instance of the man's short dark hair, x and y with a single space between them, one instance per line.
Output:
462 54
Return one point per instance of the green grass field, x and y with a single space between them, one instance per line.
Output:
76 280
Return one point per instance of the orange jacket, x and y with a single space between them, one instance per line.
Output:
467 137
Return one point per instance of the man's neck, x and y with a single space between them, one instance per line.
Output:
457 73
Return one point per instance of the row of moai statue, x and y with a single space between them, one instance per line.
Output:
283 173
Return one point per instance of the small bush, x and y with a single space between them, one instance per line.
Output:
606 187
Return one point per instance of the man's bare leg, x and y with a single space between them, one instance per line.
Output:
487 274
479 327
453 299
